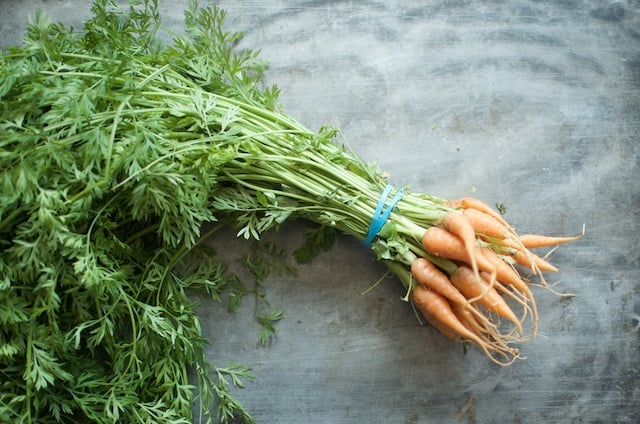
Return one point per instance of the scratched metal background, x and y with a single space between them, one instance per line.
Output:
533 104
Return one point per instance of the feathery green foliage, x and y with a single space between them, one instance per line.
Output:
115 152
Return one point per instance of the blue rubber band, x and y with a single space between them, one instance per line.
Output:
381 215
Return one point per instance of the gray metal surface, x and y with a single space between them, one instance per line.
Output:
535 105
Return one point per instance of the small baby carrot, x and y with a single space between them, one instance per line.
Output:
472 203
533 261
486 224
428 275
482 290
437 307
459 225
532 241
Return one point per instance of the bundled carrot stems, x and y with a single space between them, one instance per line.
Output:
117 149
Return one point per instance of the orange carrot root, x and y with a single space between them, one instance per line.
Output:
486 224
459 225
442 329
437 307
504 271
468 319
440 242
532 241
428 275
533 261
508 276
472 203
482 289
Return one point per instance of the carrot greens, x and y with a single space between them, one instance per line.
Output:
121 154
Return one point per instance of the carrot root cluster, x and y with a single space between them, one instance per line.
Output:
481 295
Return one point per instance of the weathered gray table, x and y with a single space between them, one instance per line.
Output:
532 104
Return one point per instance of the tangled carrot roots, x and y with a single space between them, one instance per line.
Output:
480 283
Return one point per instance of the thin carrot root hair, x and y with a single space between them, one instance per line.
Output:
478 323
512 247
504 271
529 313
550 287
508 276
496 342
533 262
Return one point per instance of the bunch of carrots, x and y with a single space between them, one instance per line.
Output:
116 149
469 279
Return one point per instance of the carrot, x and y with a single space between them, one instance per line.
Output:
481 289
472 203
532 241
524 256
460 226
486 224
428 275
507 275
436 306
467 318
522 299
442 243
503 271
533 261
480 325
442 329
